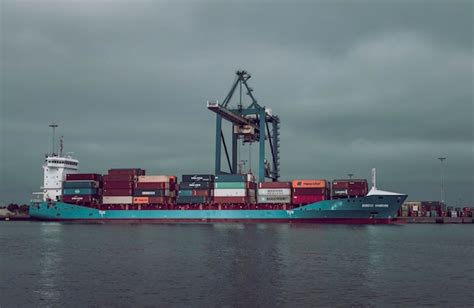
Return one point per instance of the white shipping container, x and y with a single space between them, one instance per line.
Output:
117 199
274 199
414 208
274 192
153 178
228 192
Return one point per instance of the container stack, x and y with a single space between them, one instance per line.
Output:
235 189
155 189
274 193
196 189
309 191
435 208
119 185
82 188
349 188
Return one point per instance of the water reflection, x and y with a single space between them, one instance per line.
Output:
50 261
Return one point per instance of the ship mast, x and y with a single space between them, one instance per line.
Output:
53 126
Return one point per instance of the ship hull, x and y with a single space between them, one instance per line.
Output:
366 210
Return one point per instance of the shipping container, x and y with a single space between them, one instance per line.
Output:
274 185
347 184
309 184
161 200
196 185
153 185
117 199
232 178
118 185
81 184
274 192
240 192
248 185
127 171
155 178
118 178
198 178
233 185
80 199
357 192
151 193
235 200
274 199
339 192
196 192
80 191
302 199
310 191
83 177
118 192
185 193
192 200
203 192
140 200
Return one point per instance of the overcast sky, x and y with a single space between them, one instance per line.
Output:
356 84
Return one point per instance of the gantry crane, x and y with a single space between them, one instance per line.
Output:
249 124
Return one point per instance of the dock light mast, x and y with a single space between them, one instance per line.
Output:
443 196
249 124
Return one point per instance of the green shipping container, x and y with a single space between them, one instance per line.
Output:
80 191
229 185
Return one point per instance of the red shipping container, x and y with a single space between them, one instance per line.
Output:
345 184
309 191
80 198
307 199
358 185
274 185
83 177
251 185
151 185
118 185
118 192
127 171
357 192
202 193
118 178
161 200
232 200
340 184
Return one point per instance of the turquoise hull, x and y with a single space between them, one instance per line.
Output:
370 209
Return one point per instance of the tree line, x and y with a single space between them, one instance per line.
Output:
15 208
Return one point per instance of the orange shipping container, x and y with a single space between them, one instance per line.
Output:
309 183
140 200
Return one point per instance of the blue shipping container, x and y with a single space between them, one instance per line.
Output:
185 193
231 178
186 200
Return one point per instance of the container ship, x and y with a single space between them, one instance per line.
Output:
132 195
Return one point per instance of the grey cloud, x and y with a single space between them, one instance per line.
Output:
357 84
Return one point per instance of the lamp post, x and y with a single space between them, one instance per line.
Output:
443 196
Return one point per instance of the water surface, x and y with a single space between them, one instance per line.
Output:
121 265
